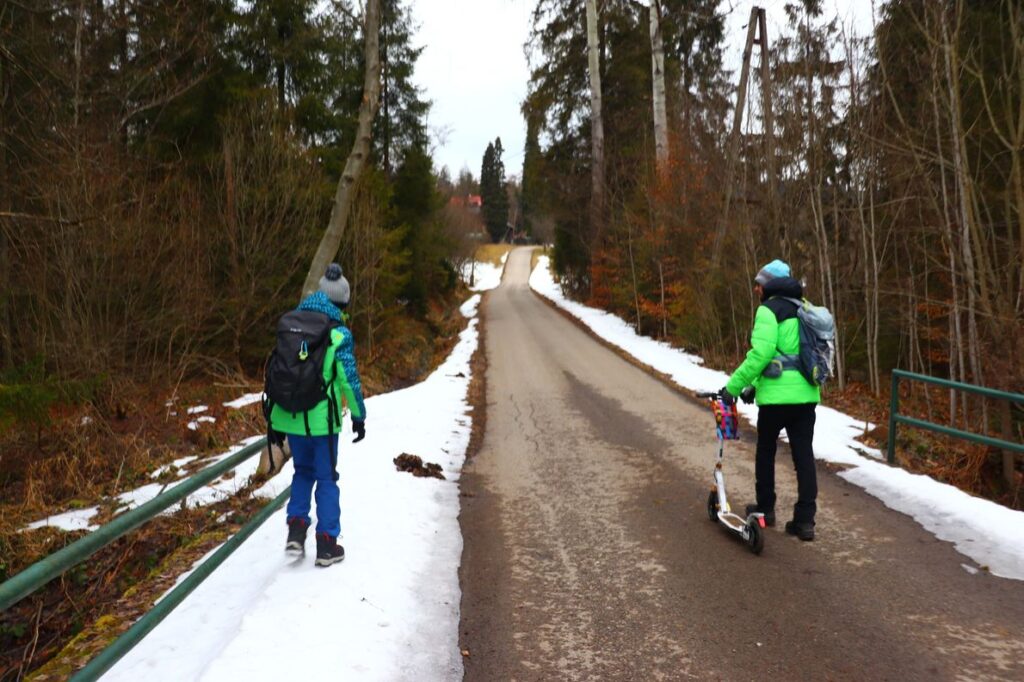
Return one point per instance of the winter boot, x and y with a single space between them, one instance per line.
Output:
328 551
803 530
296 544
769 516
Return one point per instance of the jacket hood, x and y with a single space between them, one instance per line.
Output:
783 286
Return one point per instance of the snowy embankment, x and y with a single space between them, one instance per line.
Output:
485 276
390 611
988 533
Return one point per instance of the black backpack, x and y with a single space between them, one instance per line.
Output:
295 369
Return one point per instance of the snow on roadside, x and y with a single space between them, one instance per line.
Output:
988 533
485 275
390 611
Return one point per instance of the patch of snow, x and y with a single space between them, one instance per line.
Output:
175 466
397 590
76 519
485 275
194 425
988 533
215 492
197 409
970 569
469 308
245 400
86 420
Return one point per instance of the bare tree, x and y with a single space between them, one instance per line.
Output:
658 80
331 241
596 121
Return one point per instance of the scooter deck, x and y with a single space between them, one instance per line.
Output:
732 521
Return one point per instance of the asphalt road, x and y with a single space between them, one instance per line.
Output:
588 553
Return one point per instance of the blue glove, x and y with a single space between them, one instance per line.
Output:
358 428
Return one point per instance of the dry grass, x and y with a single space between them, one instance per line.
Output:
535 256
492 253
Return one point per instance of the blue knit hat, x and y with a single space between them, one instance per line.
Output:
334 284
773 270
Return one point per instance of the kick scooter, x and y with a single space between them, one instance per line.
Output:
751 529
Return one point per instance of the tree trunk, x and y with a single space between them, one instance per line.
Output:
965 192
658 79
77 97
6 345
331 241
1009 456
596 124
776 227
734 137
664 311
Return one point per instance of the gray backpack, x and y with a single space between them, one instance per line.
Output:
816 360
817 341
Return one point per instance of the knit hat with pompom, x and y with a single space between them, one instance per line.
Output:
334 284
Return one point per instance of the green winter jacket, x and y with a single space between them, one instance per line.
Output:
769 338
339 362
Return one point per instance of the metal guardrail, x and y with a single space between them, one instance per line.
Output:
896 418
142 627
43 571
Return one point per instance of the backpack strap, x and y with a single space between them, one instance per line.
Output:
784 308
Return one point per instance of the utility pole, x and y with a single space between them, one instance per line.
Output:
756 26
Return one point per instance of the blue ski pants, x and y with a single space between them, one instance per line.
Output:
315 459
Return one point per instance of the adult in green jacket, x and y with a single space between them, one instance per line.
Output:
786 400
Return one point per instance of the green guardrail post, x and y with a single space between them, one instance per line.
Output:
142 627
48 568
894 406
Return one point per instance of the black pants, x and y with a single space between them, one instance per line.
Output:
798 420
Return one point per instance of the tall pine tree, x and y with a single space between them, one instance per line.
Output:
492 191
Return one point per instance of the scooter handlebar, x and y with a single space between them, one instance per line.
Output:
708 394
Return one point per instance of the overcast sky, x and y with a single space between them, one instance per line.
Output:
474 70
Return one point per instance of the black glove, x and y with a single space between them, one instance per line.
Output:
358 428
747 394
276 438
726 396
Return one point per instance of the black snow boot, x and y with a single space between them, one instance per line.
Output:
801 529
769 516
296 544
328 551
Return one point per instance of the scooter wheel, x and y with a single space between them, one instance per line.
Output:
713 505
755 536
